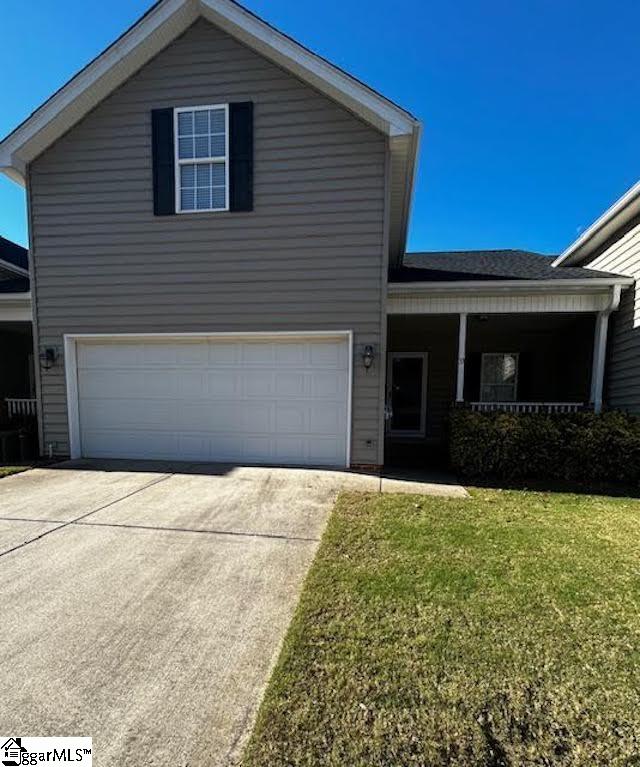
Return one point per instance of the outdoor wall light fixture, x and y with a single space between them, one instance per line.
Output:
367 357
48 358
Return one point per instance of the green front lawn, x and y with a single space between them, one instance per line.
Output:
7 471
499 631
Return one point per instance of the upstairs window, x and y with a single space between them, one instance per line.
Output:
202 158
499 378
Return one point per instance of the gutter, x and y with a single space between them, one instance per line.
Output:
22 298
518 286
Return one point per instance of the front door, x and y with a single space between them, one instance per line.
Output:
407 394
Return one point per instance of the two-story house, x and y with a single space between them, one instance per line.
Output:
218 220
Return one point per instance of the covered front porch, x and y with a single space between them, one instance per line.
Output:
518 349
18 403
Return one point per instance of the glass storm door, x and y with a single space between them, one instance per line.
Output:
406 394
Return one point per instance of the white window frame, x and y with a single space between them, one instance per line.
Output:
178 163
424 356
516 355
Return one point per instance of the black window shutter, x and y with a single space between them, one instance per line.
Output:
164 189
241 156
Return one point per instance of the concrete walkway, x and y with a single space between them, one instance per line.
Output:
144 604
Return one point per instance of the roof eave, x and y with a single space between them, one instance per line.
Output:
14 268
163 23
586 284
620 213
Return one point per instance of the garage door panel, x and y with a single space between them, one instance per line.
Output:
257 354
259 383
326 419
278 401
222 383
292 384
327 386
164 383
329 355
291 419
126 414
322 450
292 355
116 443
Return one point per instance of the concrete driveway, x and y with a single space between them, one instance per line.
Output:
145 607
144 604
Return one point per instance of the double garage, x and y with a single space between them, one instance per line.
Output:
263 399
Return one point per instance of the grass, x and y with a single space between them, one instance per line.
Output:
502 630
7 471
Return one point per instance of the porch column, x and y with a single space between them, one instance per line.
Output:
599 357
462 353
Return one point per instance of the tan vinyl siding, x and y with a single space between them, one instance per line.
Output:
309 257
622 376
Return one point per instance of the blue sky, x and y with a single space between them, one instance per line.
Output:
530 107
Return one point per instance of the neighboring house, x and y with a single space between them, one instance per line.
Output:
17 377
612 243
218 226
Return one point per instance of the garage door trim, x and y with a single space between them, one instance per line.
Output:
71 366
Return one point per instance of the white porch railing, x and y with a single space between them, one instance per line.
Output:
527 407
21 407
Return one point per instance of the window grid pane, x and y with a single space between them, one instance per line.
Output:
203 186
202 134
499 378
202 137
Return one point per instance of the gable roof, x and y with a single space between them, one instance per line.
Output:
483 265
158 27
623 212
14 258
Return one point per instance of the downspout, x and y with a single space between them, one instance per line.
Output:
600 347
384 288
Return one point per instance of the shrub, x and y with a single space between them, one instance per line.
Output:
578 447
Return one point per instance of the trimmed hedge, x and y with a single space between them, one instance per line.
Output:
580 447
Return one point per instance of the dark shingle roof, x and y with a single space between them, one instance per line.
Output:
19 285
14 254
467 265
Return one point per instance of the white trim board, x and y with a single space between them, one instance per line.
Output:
15 307
499 303
475 287
624 210
71 366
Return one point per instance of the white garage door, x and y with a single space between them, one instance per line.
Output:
271 401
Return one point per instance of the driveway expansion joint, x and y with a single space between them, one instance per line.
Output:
77 520
200 531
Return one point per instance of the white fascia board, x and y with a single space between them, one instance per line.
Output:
339 85
151 34
620 213
94 83
410 182
588 285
